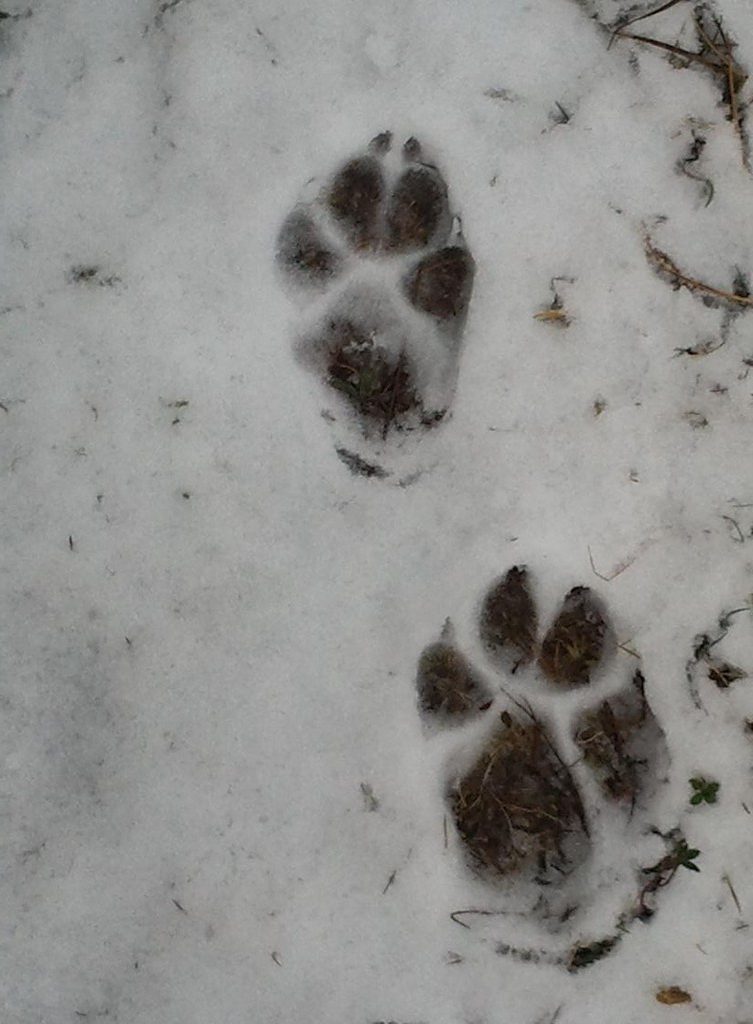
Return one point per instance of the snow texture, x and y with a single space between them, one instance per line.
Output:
219 800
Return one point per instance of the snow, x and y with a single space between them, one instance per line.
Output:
211 627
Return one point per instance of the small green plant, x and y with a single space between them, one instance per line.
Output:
685 857
704 791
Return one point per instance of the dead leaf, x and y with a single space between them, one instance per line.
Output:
673 995
553 316
723 674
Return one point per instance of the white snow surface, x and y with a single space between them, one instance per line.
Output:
210 627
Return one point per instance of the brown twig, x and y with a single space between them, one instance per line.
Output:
613 576
733 108
678 51
524 706
706 39
735 79
624 647
456 915
665 264
714 54
647 15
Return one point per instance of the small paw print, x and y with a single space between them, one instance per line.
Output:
556 740
379 259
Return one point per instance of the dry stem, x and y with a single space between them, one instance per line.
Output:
714 54
666 265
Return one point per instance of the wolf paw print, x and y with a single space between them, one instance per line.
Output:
557 739
380 262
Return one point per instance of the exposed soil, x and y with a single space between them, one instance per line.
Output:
518 806
379 386
447 684
355 199
303 252
617 739
417 207
574 645
442 282
508 622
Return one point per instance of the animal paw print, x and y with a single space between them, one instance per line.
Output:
557 740
380 260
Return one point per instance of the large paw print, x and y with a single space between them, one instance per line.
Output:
382 262
555 738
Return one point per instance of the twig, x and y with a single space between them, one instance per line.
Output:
482 913
642 17
723 66
624 647
735 78
651 14
705 38
740 539
525 707
724 622
728 880
693 157
727 63
678 51
733 108
613 576
667 265
390 880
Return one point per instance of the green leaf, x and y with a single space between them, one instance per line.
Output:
686 856
705 791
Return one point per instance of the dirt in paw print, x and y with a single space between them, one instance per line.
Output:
378 259
554 735
518 804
